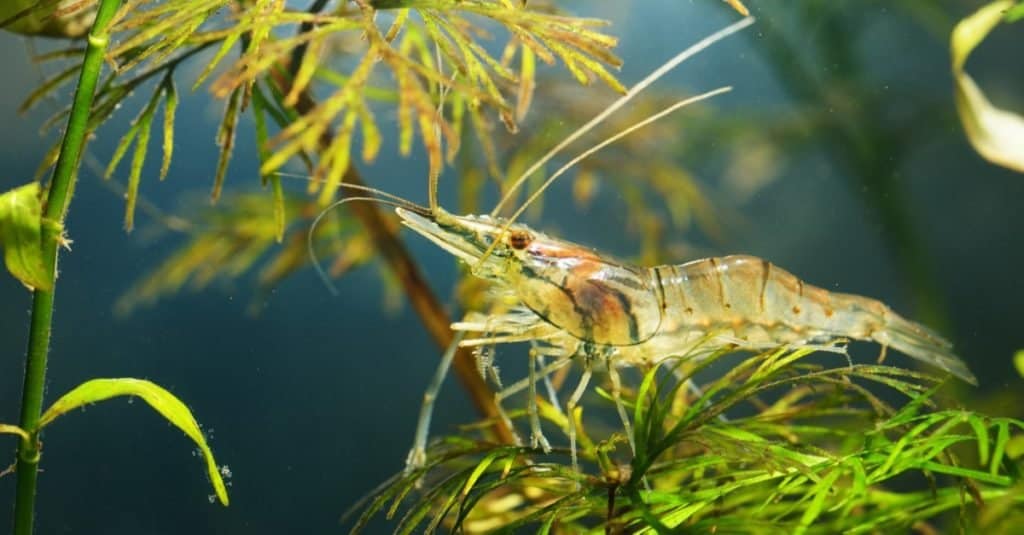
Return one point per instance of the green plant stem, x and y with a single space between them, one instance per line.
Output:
61 187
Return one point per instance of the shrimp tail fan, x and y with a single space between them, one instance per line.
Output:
919 342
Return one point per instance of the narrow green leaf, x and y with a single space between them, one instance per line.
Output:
144 127
821 491
225 47
14 430
165 403
61 53
338 155
259 107
226 141
1016 13
959 471
527 81
48 87
474 476
305 72
259 119
981 434
371 134
21 236
1002 437
170 107
121 149
280 217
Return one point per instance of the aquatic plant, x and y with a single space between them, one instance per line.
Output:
800 448
997 134
775 444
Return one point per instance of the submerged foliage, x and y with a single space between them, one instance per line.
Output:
774 445
438 44
424 32
229 241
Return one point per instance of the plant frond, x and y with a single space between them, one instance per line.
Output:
239 236
815 455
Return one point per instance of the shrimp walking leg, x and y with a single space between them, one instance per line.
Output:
616 380
537 437
418 454
549 387
519 386
571 409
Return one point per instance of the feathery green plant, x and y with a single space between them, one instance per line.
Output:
773 445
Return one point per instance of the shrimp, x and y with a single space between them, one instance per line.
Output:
643 315
580 302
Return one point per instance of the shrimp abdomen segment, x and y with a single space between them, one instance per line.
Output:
762 303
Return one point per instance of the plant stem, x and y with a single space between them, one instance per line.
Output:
62 185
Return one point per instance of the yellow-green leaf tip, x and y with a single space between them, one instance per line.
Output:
164 402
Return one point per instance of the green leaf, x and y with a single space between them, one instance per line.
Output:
1018 361
48 87
997 134
165 403
138 159
170 107
259 106
225 47
226 141
1015 13
21 236
14 430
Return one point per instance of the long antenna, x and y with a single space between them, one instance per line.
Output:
633 92
629 130
312 229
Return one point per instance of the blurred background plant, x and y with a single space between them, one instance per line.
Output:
337 86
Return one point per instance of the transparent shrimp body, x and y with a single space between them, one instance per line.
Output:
580 303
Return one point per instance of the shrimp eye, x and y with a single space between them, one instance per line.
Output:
519 239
